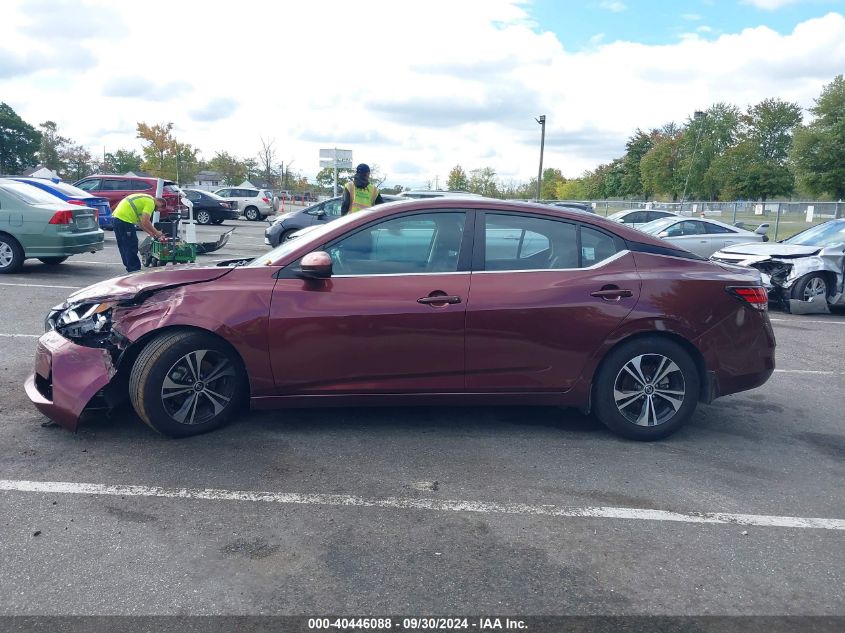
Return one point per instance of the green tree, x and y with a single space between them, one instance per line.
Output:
636 147
818 153
756 167
551 179
77 162
19 142
123 160
458 180
659 167
230 167
573 189
704 139
52 146
325 177
159 143
483 181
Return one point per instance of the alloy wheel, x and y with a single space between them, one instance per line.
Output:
203 217
649 389
198 387
815 287
6 255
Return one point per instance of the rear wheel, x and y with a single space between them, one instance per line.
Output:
11 255
251 213
186 383
286 234
52 261
203 217
646 389
810 286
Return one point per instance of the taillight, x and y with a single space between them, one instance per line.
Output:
78 203
266 200
62 217
755 296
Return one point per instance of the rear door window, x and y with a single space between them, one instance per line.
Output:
513 242
117 184
140 185
89 185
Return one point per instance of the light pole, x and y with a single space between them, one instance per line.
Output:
542 122
698 115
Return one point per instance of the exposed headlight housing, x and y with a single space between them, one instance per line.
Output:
81 319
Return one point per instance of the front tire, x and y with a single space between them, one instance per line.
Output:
186 383
646 389
218 221
52 261
810 286
11 255
203 217
251 213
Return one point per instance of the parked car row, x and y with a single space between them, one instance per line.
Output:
36 224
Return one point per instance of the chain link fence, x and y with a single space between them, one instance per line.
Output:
784 218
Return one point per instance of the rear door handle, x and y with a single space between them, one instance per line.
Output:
439 299
612 293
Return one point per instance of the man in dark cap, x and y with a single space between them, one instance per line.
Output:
359 194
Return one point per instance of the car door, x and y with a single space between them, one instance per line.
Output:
545 294
391 317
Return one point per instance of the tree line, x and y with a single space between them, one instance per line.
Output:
722 153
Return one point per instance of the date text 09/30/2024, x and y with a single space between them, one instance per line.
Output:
422 623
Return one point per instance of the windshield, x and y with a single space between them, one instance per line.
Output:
827 234
656 226
29 193
618 214
288 246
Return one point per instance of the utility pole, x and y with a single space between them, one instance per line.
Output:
542 122
698 115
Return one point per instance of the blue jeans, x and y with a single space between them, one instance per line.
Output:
127 244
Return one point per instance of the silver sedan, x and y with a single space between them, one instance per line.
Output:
702 236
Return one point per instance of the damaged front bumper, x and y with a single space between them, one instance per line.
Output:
66 377
779 274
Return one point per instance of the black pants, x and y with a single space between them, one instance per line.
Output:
127 244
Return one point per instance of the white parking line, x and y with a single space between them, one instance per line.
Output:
807 321
810 371
20 336
437 505
42 286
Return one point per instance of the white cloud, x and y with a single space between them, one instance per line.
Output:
612 5
769 5
420 95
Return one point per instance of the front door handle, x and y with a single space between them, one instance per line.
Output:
439 300
612 293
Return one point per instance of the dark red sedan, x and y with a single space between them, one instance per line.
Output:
438 301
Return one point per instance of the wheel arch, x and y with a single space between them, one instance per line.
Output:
705 388
130 354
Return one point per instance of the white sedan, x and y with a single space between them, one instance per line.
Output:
701 236
635 218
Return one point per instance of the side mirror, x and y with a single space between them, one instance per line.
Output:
663 234
320 213
316 265
761 230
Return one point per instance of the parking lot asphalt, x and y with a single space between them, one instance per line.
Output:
423 510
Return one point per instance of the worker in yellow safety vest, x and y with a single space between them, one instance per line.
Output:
358 193
136 208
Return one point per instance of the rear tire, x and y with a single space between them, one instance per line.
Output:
251 213
646 389
203 217
220 221
11 255
186 383
52 261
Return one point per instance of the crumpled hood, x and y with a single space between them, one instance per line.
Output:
772 250
129 286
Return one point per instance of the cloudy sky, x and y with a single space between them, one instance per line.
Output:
415 87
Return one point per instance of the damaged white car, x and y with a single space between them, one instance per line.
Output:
805 272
